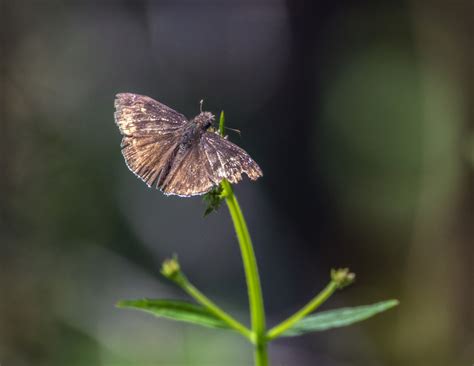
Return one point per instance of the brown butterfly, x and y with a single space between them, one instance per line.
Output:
178 156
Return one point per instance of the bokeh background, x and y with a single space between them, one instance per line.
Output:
360 114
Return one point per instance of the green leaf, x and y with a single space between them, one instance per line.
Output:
176 310
213 199
325 320
222 123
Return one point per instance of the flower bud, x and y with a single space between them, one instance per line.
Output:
170 268
342 277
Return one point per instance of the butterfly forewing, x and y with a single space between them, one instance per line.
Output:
227 160
139 115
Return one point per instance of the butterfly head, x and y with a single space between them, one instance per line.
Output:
204 120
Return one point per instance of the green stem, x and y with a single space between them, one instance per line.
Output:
257 311
308 308
192 291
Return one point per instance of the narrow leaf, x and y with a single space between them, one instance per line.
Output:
176 310
222 123
325 320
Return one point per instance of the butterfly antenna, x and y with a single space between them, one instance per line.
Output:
235 130
200 104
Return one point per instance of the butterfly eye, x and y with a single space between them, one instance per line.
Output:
208 124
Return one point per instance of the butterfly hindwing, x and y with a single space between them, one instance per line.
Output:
150 157
190 173
151 134
203 165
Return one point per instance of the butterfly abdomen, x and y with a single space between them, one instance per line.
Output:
191 133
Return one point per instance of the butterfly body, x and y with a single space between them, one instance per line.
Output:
195 128
178 156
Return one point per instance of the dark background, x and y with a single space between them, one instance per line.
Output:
360 115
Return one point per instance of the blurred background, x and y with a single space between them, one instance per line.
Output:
360 115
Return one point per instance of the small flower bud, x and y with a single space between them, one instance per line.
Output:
170 268
342 277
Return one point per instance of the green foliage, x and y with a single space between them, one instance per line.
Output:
337 318
179 310
213 200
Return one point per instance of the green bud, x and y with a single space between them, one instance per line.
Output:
170 268
342 277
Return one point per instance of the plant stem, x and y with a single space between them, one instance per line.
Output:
192 291
308 308
257 311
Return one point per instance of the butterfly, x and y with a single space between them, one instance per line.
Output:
179 156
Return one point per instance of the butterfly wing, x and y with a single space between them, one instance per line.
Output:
151 135
150 158
190 174
203 165
227 160
138 115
